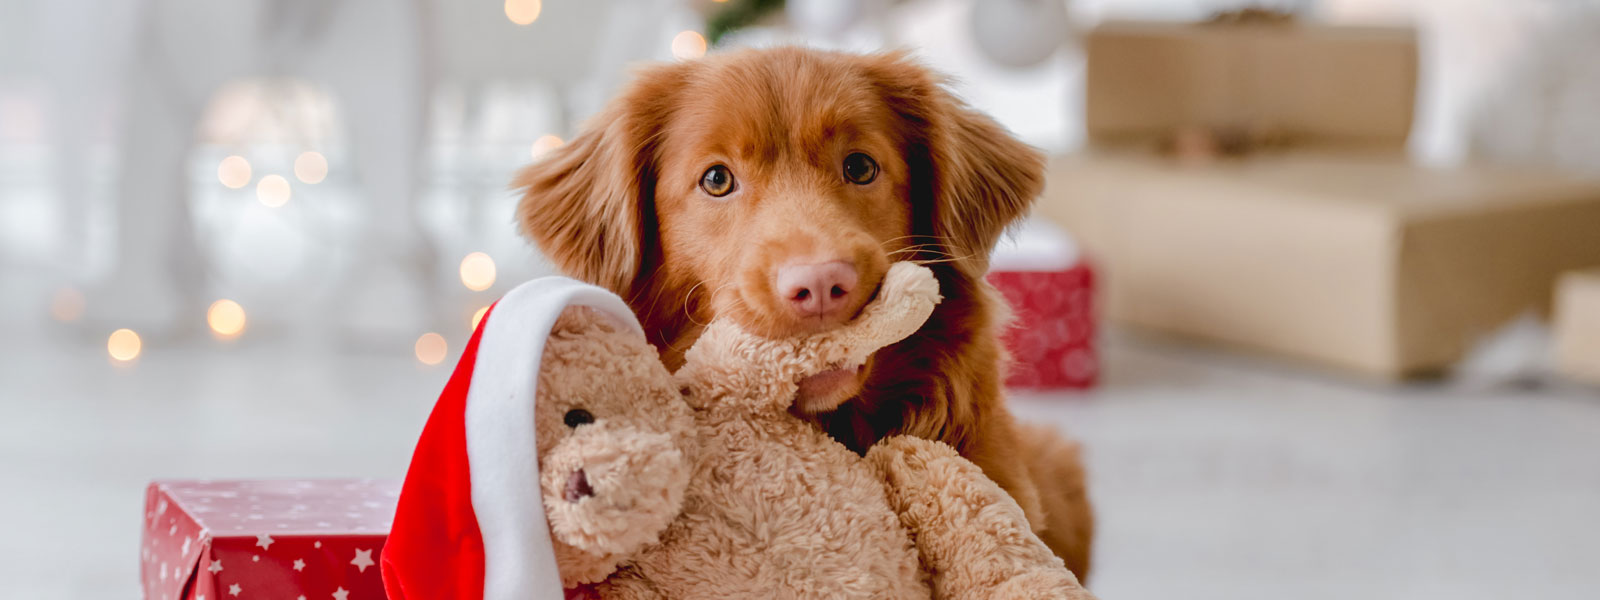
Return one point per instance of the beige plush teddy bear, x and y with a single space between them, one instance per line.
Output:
702 485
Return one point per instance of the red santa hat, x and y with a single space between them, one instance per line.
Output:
470 520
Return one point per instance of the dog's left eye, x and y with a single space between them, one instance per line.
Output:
860 169
717 181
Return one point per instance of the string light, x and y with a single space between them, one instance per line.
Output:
477 317
273 191
431 348
234 172
124 345
545 144
226 318
523 12
310 167
67 305
688 45
477 271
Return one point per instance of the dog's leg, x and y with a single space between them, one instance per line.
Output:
996 450
1056 468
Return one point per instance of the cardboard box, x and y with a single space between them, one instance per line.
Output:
1577 326
265 539
1315 84
1050 287
1362 261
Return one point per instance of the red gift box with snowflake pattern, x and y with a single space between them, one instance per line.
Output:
227 540
1050 288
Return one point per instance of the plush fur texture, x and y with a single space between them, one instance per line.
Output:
621 206
773 507
635 456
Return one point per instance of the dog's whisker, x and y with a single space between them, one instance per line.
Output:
712 294
686 298
898 238
949 259
914 249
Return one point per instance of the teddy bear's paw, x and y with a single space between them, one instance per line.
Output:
906 299
911 281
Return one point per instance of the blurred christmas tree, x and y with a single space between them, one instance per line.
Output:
738 14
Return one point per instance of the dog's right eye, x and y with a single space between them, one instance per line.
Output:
717 181
860 169
576 417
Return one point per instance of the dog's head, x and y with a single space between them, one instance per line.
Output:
615 440
775 187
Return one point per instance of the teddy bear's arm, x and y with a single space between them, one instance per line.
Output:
728 364
973 538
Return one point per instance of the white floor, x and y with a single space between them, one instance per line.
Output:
1215 476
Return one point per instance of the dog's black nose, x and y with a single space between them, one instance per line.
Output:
578 486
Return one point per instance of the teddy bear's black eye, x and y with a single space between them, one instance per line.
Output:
576 417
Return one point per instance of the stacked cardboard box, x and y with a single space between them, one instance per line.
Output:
1316 237
1352 86
1577 326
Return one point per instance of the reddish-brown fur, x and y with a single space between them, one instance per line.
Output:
620 206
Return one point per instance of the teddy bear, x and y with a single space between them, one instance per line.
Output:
701 484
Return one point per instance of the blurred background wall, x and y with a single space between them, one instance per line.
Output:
303 158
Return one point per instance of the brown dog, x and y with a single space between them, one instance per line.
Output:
775 187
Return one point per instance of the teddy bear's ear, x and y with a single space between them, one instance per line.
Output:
582 320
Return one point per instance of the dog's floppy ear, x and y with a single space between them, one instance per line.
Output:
589 204
970 178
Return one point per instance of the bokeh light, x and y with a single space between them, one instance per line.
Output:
124 345
273 191
523 12
226 318
545 144
477 271
477 317
688 45
67 305
431 348
234 172
310 167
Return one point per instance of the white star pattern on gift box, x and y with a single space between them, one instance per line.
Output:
362 560
216 565
341 594
233 590
264 541
299 565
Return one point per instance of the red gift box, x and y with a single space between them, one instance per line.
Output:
1051 291
221 540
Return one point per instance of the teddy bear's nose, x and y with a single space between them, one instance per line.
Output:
578 486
